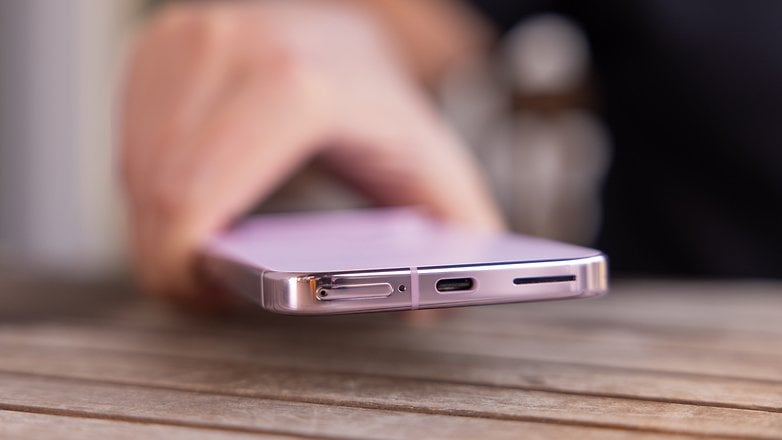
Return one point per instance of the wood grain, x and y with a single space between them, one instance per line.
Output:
395 358
31 425
371 391
653 358
235 414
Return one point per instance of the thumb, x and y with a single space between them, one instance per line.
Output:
404 154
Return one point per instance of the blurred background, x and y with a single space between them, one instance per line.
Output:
60 207
657 121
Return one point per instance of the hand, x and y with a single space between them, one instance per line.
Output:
223 101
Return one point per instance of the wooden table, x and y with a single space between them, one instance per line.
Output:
653 359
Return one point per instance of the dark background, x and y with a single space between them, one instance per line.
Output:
692 94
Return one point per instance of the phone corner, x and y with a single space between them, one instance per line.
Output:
286 293
594 276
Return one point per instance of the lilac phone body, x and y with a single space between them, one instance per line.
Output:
392 259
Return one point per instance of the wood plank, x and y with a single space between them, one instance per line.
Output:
237 414
30 425
487 321
665 347
671 321
526 369
391 393
593 351
667 316
574 377
456 368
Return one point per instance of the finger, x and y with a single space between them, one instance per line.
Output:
406 155
178 69
240 154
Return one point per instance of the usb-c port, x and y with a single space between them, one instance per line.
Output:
449 285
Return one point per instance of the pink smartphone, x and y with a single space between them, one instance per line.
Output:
392 259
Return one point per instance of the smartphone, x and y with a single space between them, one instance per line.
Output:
334 262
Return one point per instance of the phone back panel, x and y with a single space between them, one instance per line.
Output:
377 239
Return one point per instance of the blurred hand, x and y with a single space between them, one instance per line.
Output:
223 101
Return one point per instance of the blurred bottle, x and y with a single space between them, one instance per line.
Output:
530 115
58 203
